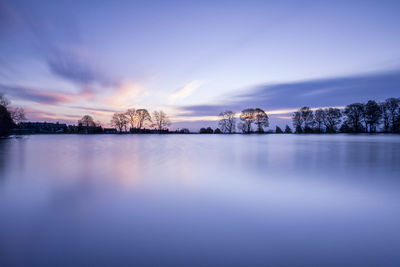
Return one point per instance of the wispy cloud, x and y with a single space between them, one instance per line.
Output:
41 96
60 46
75 67
36 95
336 91
104 110
285 98
185 91
202 110
39 115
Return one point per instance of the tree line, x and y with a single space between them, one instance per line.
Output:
251 120
370 117
137 119
248 118
9 116
133 120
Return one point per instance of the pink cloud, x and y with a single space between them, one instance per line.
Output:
46 97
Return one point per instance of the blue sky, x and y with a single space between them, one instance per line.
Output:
63 59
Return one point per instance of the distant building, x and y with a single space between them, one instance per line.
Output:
42 127
55 128
73 129
110 130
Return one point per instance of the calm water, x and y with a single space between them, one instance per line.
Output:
191 200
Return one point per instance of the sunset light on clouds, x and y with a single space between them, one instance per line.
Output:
218 133
62 59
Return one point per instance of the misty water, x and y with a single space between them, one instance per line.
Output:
200 200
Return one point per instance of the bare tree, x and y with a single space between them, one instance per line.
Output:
297 120
393 105
131 116
119 120
303 120
87 121
142 116
354 113
373 115
241 127
247 118
227 121
4 101
385 116
308 118
332 119
161 120
18 115
261 120
319 118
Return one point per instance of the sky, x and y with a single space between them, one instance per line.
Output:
60 60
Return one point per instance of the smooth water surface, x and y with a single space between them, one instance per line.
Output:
200 200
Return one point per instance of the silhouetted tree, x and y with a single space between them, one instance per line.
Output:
297 121
308 118
288 129
247 118
344 128
393 105
373 115
87 121
209 130
119 120
299 130
161 120
227 121
308 129
203 131
385 116
17 115
142 116
354 113
304 119
398 123
6 122
131 116
4 101
278 130
217 131
184 131
319 118
261 120
332 119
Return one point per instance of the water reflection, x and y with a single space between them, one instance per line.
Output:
4 154
199 200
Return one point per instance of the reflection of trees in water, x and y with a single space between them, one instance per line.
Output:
4 149
12 156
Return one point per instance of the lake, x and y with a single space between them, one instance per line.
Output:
200 200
